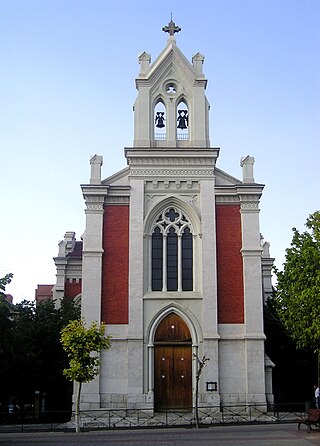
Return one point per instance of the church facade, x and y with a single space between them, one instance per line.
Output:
171 258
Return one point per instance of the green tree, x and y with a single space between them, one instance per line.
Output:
5 328
292 365
4 281
31 355
83 346
298 286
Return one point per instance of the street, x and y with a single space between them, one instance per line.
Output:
249 435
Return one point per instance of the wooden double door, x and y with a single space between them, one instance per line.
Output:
172 365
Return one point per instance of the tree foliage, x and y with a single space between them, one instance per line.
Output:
31 355
292 365
83 346
298 286
4 281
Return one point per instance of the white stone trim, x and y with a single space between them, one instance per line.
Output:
185 314
172 172
227 199
117 200
176 161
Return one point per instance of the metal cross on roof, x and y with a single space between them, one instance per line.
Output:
171 28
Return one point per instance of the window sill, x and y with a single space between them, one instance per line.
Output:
173 295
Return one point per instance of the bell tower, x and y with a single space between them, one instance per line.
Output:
172 226
171 109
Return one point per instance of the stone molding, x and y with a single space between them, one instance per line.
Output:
117 200
227 199
178 161
94 202
249 202
251 252
173 172
92 253
165 185
249 206
243 337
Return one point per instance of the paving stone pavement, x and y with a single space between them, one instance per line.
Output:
249 435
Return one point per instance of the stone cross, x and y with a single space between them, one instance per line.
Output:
171 28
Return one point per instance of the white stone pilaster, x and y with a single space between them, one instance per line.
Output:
142 125
254 336
198 119
135 334
92 276
267 265
209 291
92 259
58 290
209 267
211 372
251 253
171 123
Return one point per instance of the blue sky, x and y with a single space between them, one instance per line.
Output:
67 73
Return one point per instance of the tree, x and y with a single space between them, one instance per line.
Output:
298 287
4 281
31 355
200 365
292 365
5 328
83 346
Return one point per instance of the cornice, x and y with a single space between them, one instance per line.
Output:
95 189
249 202
172 172
175 161
227 199
117 200
94 202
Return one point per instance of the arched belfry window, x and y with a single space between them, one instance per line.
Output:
160 121
182 121
172 252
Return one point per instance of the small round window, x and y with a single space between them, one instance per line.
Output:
171 88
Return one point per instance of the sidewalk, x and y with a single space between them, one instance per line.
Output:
253 435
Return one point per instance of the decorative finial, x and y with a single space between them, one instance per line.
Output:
171 28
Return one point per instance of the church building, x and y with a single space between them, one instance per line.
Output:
172 258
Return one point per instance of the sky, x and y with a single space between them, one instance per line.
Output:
67 72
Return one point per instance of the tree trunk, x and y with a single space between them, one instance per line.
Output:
196 405
77 418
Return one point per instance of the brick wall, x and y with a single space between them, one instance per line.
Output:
229 265
115 265
72 288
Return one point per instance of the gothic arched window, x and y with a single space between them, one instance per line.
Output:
160 121
182 121
172 252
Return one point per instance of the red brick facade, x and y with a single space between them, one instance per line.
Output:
72 288
115 265
229 265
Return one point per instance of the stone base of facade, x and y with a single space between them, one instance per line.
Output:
126 401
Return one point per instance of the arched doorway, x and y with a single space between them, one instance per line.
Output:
172 364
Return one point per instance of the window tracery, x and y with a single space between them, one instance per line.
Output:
172 252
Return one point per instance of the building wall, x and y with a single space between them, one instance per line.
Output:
115 272
229 265
72 288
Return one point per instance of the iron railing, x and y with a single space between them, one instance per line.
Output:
147 418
